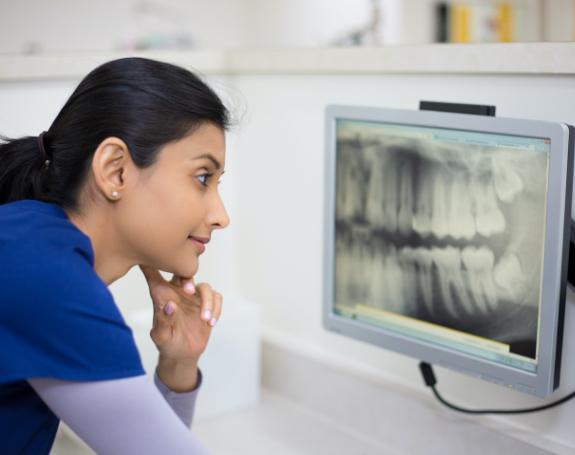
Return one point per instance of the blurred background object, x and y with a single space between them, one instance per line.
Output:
33 26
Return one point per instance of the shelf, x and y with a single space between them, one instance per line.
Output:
513 58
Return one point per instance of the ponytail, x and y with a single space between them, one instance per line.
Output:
23 172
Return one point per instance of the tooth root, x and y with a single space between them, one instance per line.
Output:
460 289
486 282
423 210
356 274
508 275
424 261
461 222
405 216
469 259
394 282
448 264
349 174
445 288
477 293
489 290
390 196
377 285
488 217
375 196
439 225
507 182
368 273
479 264
406 260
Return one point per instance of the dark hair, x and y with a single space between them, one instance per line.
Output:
144 102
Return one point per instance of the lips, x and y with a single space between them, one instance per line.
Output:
199 242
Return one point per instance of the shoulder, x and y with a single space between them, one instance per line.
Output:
30 223
47 268
56 312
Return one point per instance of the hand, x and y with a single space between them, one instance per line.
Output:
181 328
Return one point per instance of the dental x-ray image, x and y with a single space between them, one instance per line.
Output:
442 231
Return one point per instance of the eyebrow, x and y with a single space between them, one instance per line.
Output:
209 157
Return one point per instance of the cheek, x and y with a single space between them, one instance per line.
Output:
171 206
163 214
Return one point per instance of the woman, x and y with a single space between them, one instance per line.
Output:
126 175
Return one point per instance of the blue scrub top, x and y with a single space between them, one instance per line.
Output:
57 319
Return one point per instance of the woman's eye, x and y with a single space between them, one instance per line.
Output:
203 179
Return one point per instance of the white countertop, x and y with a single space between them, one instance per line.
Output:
513 58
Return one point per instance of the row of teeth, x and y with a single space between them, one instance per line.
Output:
428 198
468 281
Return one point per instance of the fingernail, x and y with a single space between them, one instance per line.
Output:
169 309
213 322
190 288
207 315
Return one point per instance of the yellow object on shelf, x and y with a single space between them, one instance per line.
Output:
460 24
504 22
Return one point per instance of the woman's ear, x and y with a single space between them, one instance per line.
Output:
110 166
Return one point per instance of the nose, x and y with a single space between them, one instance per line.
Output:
218 216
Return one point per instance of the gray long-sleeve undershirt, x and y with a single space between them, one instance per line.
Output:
127 415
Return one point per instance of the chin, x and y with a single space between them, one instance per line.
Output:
187 270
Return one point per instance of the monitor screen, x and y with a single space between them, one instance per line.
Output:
439 235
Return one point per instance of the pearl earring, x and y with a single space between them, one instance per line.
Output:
115 194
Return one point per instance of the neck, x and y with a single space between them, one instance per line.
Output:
110 261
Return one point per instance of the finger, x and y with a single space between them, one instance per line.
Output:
186 284
207 300
162 327
169 308
218 301
152 275
189 287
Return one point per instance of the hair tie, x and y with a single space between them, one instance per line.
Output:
40 141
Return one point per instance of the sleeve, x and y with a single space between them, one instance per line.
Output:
59 320
127 416
183 404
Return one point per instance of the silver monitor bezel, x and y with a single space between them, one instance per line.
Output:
556 243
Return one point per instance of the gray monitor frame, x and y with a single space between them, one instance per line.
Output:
556 247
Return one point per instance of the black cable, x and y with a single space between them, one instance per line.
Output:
430 381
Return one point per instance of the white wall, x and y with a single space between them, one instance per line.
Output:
280 207
559 20
301 23
66 25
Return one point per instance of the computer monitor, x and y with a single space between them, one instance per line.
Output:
446 239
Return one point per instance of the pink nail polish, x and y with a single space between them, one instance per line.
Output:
190 288
207 315
213 322
169 309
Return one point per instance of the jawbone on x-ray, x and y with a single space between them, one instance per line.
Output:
447 233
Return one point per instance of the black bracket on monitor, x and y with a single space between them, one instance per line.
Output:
483 109
473 109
